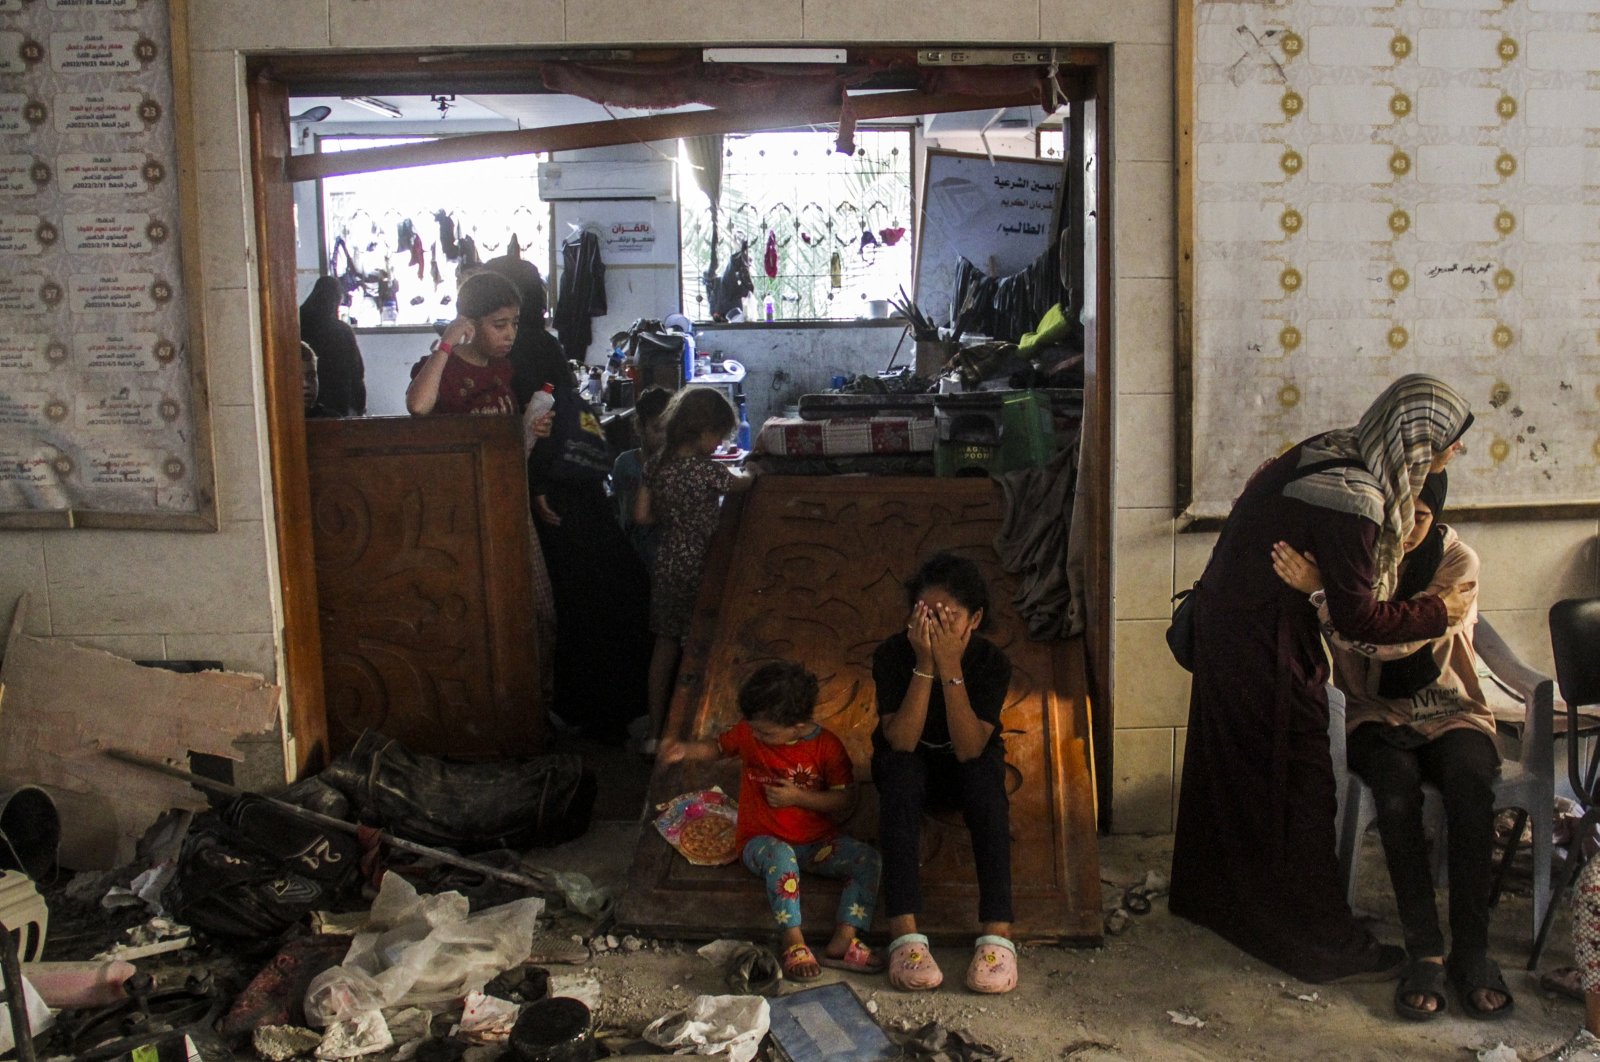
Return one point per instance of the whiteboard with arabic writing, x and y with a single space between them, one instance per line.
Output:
996 214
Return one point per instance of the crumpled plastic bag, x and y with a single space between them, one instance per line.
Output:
364 1034
713 1024
747 969
421 949
40 1016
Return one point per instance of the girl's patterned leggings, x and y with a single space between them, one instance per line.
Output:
779 864
1586 925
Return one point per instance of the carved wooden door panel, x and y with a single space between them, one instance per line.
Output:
420 530
813 569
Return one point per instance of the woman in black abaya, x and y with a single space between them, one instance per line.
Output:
1254 855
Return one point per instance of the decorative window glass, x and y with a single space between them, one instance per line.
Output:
827 233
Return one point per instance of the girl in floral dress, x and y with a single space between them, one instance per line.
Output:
682 495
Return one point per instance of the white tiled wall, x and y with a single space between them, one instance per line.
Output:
215 595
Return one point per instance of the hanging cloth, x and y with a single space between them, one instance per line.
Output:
582 293
433 266
467 254
416 254
404 236
728 292
447 234
769 261
836 271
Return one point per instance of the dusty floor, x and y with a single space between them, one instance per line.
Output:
1113 1002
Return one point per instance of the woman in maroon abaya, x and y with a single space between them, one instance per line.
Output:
1254 856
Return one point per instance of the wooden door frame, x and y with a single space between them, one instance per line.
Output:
301 634
268 83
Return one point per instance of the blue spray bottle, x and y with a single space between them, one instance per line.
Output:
744 428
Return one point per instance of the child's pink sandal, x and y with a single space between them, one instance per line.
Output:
911 965
799 964
994 966
857 958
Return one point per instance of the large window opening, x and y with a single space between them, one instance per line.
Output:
400 240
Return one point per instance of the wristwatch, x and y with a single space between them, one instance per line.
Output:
1318 598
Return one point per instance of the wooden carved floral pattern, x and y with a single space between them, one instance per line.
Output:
419 530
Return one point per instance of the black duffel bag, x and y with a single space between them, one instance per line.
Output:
469 807
252 869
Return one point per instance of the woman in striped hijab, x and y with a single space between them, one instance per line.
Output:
1254 856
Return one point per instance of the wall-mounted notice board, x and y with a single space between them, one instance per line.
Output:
103 418
999 214
1370 188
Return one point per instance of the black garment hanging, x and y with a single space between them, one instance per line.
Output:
447 234
727 292
1008 307
582 293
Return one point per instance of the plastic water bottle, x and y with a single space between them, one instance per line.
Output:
744 428
542 402
769 308
688 358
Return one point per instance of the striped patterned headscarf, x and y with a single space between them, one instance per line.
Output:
1417 417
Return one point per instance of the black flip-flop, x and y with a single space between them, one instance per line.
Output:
1477 973
1421 978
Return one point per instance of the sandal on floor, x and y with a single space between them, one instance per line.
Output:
1421 978
1477 973
1563 981
911 965
857 958
994 966
794 957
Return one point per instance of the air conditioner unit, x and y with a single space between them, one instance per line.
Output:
606 180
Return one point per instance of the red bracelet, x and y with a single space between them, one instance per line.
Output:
446 347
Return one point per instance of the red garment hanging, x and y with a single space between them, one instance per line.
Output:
770 261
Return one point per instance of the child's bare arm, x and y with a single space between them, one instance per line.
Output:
836 802
741 480
422 394
642 514
675 751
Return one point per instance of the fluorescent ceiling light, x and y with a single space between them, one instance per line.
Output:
376 106
773 55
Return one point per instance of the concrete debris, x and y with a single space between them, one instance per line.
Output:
1183 1017
279 1043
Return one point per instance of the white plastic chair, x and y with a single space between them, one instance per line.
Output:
1526 783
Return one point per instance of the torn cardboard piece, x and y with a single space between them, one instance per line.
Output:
64 703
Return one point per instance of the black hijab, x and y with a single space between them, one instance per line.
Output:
1406 676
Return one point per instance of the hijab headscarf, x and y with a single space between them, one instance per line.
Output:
1396 439
1404 677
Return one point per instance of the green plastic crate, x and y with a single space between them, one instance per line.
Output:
993 432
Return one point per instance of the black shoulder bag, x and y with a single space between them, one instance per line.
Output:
1180 632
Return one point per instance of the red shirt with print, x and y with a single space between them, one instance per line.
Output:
467 388
817 762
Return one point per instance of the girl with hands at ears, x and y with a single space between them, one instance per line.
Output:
941 686
467 371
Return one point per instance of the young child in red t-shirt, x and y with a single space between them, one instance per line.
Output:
796 780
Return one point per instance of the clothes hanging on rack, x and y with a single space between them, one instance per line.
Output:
1007 307
769 261
582 293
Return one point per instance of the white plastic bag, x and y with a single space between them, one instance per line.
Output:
40 1016
713 1024
421 949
